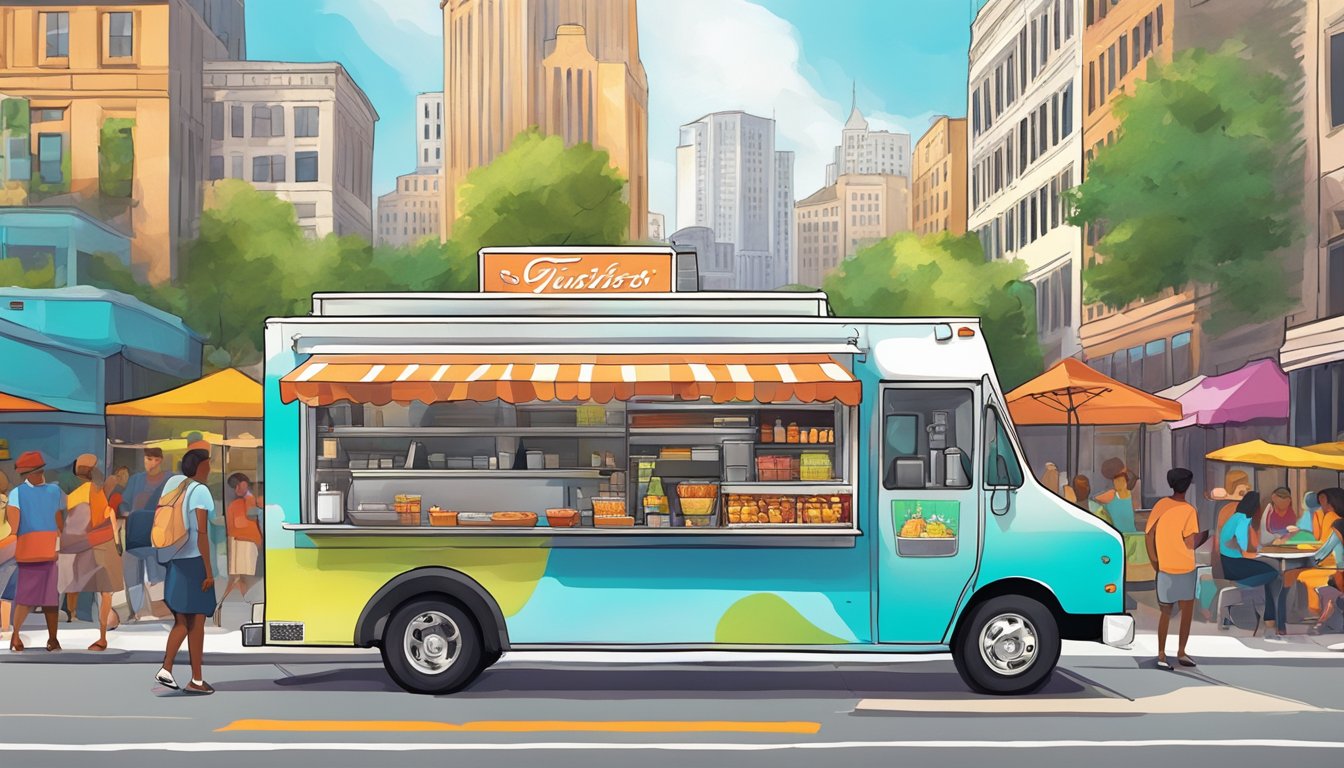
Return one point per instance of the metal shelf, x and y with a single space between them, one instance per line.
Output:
494 474
793 488
768 447
412 433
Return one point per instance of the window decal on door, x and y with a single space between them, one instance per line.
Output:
926 528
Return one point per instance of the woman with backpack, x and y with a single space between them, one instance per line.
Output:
182 535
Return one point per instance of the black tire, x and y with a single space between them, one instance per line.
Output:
414 671
982 674
490 659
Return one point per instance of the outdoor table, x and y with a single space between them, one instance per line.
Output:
1281 555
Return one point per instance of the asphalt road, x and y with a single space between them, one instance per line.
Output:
1096 711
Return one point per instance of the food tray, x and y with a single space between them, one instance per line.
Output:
562 518
442 517
514 519
614 522
697 490
699 521
608 506
473 518
373 517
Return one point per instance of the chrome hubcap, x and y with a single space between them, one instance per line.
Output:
1008 644
432 642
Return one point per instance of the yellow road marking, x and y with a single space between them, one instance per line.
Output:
525 726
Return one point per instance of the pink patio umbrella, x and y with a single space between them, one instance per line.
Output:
1257 390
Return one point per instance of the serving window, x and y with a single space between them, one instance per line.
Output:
639 465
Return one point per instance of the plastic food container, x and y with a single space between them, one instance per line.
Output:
697 506
514 519
614 522
697 490
699 521
506 459
536 460
562 518
441 517
608 506
704 454
655 520
552 460
480 462
457 462
473 518
406 504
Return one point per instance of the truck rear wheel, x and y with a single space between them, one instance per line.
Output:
432 647
1008 645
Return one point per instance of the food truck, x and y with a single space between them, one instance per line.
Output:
591 454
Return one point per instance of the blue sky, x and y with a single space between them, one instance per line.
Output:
794 59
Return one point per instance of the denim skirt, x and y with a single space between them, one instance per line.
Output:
182 588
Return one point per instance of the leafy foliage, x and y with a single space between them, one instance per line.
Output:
116 157
944 275
1203 185
541 193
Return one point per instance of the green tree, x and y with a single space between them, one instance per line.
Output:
540 192
1202 185
942 275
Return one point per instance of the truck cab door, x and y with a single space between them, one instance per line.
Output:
928 515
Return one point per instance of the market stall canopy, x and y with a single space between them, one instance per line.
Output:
1263 454
1329 449
1073 393
381 379
16 404
1257 390
228 394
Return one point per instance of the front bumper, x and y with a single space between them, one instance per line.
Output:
254 635
1117 630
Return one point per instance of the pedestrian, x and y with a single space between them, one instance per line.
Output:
1330 556
189 588
1172 535
1119 501
1280 519
36 514
9 567
100 570
244 538
1237 545
1050 477
140 568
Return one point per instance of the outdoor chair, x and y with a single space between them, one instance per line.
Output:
1249 601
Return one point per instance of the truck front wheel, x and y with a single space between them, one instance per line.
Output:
1008 645
432 647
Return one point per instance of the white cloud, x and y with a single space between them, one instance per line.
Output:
706 56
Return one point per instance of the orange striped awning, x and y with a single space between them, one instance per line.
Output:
381 379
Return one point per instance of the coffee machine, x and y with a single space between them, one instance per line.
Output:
937 432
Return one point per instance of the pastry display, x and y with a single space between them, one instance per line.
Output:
562 518
614 521
515 519
608 507
441 517
780 509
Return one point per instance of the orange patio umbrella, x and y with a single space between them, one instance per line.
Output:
1072 394
15 404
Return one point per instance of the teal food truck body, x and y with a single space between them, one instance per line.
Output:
451 477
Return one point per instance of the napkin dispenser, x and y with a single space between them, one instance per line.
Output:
330 505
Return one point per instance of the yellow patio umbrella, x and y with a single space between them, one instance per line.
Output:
1329 449
228 394
1264 454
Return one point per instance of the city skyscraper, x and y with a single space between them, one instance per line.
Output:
865 151
570 67
731 179
429 132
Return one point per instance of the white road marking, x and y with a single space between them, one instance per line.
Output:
1192 700
94 717
325 746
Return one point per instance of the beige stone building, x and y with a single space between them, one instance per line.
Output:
302 131
126 76
837 220
410 213
938 189
570 67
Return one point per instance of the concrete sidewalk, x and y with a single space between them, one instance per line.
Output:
143 643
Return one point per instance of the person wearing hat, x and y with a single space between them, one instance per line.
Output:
36 514
100 569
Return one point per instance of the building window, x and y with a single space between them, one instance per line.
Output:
268 168
277 120
236 122
1091 86
1066 109
261 121
1337 80
50 148
120 35
1110 69
216 167
1124 55
305 122
47 115
57 26
1160 25
1155 366
236 167
1182 358
305 166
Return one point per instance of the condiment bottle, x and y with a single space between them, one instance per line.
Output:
792 435
814 435
780 434
767 432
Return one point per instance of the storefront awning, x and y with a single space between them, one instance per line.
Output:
1257 390
381 379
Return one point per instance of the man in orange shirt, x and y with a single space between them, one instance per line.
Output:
1172 536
